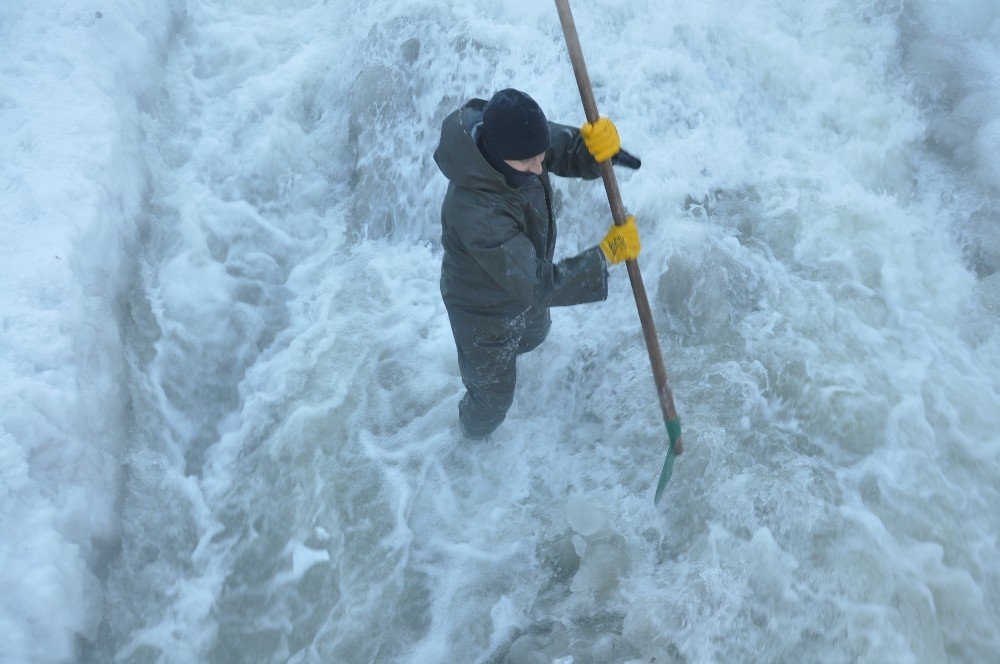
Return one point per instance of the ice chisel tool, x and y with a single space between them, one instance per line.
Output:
663 389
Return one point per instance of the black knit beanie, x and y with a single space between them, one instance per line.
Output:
514 126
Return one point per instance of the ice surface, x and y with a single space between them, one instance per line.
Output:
227 407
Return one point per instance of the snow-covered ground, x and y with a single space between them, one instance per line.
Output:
228 386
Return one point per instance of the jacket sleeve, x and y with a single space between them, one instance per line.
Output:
568 155
508 256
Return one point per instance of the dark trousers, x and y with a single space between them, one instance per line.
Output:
487 358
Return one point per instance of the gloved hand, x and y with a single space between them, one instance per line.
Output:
626 159
601 139
622 242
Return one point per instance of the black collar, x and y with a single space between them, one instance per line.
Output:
514 177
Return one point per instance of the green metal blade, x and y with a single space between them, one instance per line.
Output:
668 469
674 432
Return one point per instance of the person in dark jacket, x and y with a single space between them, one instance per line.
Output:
498 278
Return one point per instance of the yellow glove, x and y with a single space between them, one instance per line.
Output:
601 139
622 242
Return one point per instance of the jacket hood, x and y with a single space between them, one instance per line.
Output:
458 156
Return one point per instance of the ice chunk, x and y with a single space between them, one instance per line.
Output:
587 519
602 565
771 569
303 558
506 618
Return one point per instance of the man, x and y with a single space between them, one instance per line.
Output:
498 278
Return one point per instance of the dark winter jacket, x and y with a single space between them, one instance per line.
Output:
499 239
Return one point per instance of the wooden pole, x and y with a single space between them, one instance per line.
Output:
663 389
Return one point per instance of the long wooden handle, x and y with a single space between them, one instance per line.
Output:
663 388
589 105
